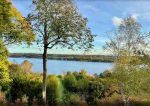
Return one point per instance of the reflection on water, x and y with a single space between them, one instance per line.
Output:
61 66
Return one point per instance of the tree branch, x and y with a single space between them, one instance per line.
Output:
53 40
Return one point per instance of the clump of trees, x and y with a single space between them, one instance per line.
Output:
82 86
130 46
74 88
69 89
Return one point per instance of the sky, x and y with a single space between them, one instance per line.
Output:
103 16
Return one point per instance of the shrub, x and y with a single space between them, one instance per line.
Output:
24 84
2 97
5 79
54 90
26 66
33 90
17 89
70 83
95 90
72 99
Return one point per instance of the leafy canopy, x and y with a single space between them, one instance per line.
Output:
57 22
13 29
13 26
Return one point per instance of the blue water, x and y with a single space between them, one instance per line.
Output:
62 66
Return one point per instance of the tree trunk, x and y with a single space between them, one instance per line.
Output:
125 98
44 75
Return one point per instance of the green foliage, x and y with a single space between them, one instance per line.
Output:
72 99
133 82
15 71
4 72
17 90
131 67
33 90
88 88
13 27
78 87
61 24
82 85
95 90
57 23
5 13
54 90
24 84
4 76
70 82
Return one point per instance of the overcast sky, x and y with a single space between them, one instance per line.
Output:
103 16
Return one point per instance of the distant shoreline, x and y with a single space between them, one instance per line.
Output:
71 57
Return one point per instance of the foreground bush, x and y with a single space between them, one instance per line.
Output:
54 90
24 84
77 89
82 87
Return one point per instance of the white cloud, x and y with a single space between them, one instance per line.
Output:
117 21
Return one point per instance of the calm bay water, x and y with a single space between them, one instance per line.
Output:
61 66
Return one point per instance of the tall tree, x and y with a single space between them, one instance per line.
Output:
127 43
13 29
59 24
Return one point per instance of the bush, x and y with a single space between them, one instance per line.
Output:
2 97
26 66
33 90
4 64
24 84
72 99
70 83
5 79
17 90
54 90
95 90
